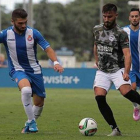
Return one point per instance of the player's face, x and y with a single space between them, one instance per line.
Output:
109 19
20 24
134 18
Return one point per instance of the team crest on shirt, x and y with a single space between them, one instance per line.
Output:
29 38
111 37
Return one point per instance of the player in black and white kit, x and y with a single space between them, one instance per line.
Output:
113 59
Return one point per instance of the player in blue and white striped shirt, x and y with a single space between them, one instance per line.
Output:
133 31
20 42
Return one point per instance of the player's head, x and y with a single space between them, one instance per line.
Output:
134 16
109 12
19 20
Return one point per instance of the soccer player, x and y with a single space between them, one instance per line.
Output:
113 58
133 31
20 42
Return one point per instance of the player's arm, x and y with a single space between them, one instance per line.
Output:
127 62
51 54
95 54
95 47
124 43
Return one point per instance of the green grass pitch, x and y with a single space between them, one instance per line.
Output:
63 110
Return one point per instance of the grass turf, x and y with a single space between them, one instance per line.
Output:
63 110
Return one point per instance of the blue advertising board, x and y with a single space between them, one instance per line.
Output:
80 78
70 78
5 79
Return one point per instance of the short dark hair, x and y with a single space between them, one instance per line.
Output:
19 13
135 9
109 7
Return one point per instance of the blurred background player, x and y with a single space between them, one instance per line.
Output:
133 31
20 42
3 62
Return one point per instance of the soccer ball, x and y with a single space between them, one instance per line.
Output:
88 127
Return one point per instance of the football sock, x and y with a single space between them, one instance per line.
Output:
26 93
37 111
133 96
118 129
136 105
106 111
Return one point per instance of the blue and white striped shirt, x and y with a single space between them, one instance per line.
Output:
22 49
134 43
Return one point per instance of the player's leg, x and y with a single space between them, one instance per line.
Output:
125 87
38 94
38 105
102 84
26 92
136 111
106 111
130 94
134 78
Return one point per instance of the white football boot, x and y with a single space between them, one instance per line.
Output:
115 132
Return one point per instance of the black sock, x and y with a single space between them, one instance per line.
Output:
106 111
133 96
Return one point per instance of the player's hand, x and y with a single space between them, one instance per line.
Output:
58 68
126 76
96 64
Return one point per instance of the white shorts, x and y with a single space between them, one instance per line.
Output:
105 80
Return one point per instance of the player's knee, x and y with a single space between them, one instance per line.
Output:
38 101
26 91
39 104
134 88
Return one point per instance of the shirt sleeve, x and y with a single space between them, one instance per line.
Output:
124 40
40 40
